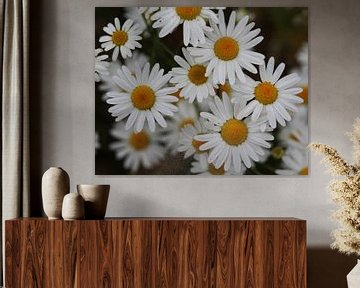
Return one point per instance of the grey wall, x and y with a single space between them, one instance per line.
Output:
63 118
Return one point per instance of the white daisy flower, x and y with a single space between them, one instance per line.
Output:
303 72
232 91
303 56
272 96
233 142
121 39
192 18
186 115
140 15
201 166
303 84
145 98
187 143
304 94
101 66
243 12
138 149
108 83
296 133
148 11
295 163
229 49
134 14
97 142
191 79
138 58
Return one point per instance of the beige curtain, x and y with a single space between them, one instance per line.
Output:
15 172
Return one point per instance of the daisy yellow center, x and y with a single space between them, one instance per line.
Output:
139 141
226 48
224 88
119 37
304 171
188 13
143 97
196 144
216 171
304 94
277 152
196 74
266 93
234 132
185 122
177 94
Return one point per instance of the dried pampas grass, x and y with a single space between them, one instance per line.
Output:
345 192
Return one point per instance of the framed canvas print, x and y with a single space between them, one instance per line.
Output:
201 90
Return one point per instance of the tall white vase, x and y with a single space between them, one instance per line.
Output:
353 278
55 185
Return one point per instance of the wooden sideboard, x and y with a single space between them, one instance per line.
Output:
156 252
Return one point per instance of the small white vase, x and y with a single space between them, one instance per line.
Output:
73 207
353 278
55 185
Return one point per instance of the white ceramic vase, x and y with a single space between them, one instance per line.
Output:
353 278
55 185
73 207
96 198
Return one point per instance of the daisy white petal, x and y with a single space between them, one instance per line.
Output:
228 49
295 162
187 143
121 39
191 79
167 19
142 98
186 116
136 149
201 166
101 66
232 137
273 96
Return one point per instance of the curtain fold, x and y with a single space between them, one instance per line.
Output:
15 111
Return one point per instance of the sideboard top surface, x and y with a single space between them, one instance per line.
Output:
176 219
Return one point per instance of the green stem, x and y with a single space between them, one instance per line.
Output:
166 49
156 40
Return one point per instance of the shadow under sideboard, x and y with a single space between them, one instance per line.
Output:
328 268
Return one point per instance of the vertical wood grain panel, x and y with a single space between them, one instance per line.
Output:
155 253
174 248
71 247
301 254
13 253
89 254
127 255
55 254
224 254
33 253
145 251
162 229
285 272
103 246
268 254
194 251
